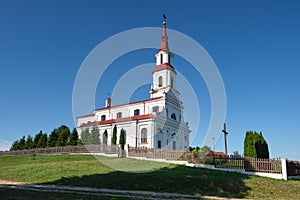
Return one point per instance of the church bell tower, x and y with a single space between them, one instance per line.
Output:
164 74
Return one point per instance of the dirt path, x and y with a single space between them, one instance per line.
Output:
102 192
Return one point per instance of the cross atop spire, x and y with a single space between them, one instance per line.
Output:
164 40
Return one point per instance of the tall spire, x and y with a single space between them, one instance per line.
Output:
164 39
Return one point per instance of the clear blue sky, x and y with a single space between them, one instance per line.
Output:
255 45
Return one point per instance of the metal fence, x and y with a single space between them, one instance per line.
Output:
156 153
293 168
107 149
241 163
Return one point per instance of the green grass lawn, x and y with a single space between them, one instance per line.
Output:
86 170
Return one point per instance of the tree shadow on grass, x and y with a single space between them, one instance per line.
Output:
173 178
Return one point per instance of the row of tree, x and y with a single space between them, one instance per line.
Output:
60 136
93 136
255 145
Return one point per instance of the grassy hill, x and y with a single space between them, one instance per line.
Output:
86 170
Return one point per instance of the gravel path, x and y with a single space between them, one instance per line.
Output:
102 192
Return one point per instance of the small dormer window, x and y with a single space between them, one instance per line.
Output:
103 117
119 115
155 109
136 112
160 81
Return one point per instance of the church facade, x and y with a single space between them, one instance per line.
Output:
153 123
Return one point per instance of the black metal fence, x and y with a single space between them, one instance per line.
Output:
293 168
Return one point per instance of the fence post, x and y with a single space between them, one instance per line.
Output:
284 168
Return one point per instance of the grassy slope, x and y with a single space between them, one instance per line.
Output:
15 194
84 170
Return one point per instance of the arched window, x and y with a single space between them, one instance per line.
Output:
103 117
161 59
144 135
160 81
173 116
172 82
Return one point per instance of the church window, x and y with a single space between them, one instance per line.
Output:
159 144
103 117
174 145
155 109
172 82
161 59
173 135
173 116
144 135
169 58
136 112
119 115
160 81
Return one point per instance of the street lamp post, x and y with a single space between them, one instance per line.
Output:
214 144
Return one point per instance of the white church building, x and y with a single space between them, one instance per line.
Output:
153 123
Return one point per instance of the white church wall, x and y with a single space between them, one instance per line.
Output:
85 120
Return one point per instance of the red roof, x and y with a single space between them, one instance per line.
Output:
110 121
217 154
135 102
163 66
164 40
88 115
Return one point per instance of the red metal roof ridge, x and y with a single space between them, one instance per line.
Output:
164 66
87 115
135 102
110 121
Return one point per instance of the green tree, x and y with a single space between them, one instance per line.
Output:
255 145
36 140
122 138
29 142
104 137
14 146
206 149
63 135
114 136
95 135
42 143
52 139
74 137
22 144
85 136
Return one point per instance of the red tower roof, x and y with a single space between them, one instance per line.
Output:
164 39
163 66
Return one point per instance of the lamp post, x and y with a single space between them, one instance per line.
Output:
214 150
214 144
